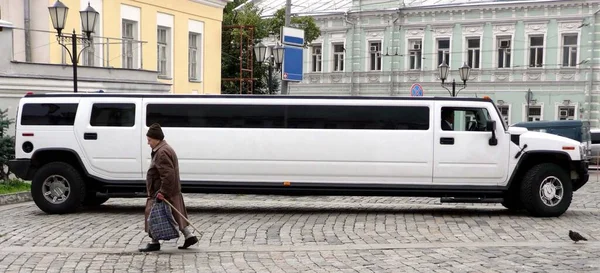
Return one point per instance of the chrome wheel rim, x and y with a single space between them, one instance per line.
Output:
551 191
56 189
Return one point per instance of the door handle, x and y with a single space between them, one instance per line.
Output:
447 141
90 136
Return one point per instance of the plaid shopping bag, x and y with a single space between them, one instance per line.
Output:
161 224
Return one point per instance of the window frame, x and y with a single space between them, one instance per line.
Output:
445 51
194 64
375 57
128 51
507 51
575 63
536 49
316 60
508 109
415 56
165 71
475 51
338 58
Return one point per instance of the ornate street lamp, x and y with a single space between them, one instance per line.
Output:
464 72
89 18
275 57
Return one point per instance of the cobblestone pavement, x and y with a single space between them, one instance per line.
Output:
250 233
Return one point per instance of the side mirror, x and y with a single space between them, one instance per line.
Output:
491 127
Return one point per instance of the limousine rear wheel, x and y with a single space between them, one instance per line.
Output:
546 190
57 188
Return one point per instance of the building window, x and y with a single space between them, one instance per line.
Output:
194 56
536 51
162 61
505 112
473 52
129 36
535 113
89 55
375 55
338 57
504 51
443 51
566 112
570 50
317 58
415 54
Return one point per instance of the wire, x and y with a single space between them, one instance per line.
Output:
451 53
34 48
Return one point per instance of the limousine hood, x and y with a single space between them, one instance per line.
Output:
549 142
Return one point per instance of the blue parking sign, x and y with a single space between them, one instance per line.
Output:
416 90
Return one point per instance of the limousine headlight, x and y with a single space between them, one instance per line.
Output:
582 152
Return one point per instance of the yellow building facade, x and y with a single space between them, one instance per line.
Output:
181 39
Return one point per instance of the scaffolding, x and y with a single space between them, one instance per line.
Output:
245 78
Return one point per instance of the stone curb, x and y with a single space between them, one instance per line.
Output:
13 198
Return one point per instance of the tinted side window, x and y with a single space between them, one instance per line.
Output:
358 117
113 114
49 114
595 138
206 115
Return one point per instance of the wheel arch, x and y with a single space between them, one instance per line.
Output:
532 158
47 155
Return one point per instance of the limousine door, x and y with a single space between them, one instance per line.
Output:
462 151
109 131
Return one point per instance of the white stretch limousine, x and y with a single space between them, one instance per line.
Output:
81 149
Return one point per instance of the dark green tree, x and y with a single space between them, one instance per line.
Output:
307 23
7 145
250 15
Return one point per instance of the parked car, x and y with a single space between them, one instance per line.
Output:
85 148
578 130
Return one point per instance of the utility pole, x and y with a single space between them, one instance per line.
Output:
288 7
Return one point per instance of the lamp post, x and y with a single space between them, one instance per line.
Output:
464 76
275 57
89 17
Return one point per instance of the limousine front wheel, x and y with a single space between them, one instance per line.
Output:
546 190
57 188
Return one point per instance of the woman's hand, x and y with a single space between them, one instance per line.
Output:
160 196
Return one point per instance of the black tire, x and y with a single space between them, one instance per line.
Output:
531 195
512 199
76 194
512 203
91 200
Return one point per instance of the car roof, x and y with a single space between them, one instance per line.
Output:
253 96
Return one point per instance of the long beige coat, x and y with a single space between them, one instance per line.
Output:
163 176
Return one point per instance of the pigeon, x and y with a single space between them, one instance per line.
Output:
576 236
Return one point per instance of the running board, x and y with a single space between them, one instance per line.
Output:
121 195
470 200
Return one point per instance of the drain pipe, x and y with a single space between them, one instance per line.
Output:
27 19
591 67
352 44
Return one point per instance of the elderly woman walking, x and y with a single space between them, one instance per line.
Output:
162 182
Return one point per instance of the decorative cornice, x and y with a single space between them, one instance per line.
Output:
487 7
536 27
569 25
504 28
213 3
415 32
